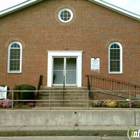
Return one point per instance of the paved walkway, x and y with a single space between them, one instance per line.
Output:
28 128
16 128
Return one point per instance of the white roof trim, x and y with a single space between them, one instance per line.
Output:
116 9
99 2
18 7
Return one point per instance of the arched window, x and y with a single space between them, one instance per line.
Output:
14 57
115 58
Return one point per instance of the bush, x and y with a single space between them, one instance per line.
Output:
119 104
100 103
25 95
130 104
104 105
138 105
6 103
94 104
124 104
109 103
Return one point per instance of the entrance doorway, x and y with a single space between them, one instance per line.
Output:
64 71
64 67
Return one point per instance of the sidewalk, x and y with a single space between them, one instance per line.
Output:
30 128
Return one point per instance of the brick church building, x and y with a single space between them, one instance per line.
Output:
65 40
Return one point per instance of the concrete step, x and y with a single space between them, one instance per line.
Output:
65 98
76 95
61 96
61 88
62 92
61 104
65 95
68 94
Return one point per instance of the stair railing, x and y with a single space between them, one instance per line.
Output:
89 84
63 87
40 82
95 81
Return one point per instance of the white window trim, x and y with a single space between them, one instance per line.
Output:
121 63
8 67
52 54
59 13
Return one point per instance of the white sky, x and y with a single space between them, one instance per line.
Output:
131 5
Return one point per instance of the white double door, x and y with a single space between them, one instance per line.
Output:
64 71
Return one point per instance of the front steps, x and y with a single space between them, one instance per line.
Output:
57 97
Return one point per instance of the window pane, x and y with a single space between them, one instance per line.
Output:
115 54
15 45
114 46
65 15
15 54
114 66
115 58
58 63
14 65
14 58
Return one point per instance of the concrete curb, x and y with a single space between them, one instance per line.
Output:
65 138
44 128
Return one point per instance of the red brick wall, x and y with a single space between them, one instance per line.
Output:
92 30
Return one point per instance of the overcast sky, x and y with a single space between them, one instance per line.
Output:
131 5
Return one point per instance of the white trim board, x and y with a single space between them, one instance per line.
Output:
18 7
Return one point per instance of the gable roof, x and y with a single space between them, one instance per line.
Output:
116 9
18 7
99 2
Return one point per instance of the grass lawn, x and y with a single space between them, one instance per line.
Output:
64 133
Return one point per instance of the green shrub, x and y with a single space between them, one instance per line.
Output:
94 104
138 105
104 105
25 95
124 104
121 104
118 104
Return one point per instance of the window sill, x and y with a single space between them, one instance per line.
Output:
115 73
14 72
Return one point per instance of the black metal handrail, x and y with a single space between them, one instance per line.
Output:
89 84
105 83
40 82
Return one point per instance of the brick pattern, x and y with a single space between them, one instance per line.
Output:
92 30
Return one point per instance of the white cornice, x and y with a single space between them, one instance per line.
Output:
116 9
18 7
